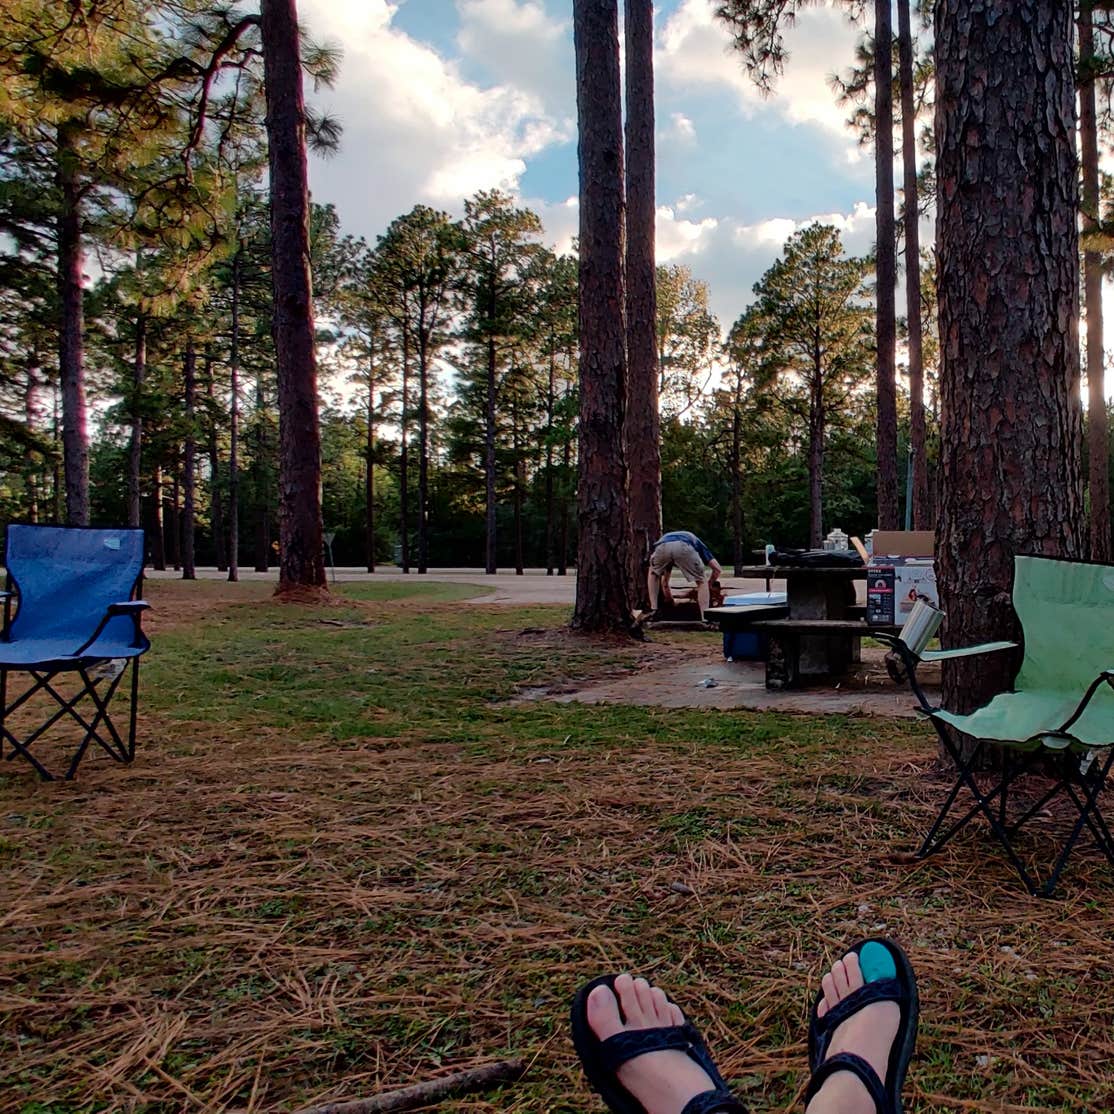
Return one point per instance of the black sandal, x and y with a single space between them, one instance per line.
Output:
602 1059
900 987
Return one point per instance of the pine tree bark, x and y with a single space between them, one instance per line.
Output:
189 462
886 327
550 402
135 441
75 441
922 501
158 531
216 500
403 455
737 477
642 425
1007 192
423 442
816 425
603 596
301 541
1098 436
369 465
490 558
234 424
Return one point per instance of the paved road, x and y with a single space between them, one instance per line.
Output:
502 588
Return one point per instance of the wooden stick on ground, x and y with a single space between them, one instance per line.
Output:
433 1090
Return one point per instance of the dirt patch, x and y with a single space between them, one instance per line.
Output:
671 676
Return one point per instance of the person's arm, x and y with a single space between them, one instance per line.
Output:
716 567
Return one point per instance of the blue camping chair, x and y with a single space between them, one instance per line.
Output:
76 615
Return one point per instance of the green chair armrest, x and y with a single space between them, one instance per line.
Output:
967 651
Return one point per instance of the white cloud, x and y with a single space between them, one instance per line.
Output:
524 49
694 50
415 129
680 130
677 238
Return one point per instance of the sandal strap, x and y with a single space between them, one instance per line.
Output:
714 1102
618 1049
883 989
857 1066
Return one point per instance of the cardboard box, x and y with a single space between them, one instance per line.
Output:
901 570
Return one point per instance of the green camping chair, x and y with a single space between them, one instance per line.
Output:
1058 722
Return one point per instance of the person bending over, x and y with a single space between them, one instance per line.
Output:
685 551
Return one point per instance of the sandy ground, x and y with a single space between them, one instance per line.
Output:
703 680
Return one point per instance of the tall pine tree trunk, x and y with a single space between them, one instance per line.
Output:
922 501
737 478
75 441
135 442
158 530
886 329
234 424
189 463
262 486
490 565
404 449
174 523
369 466
642 424
1007 193
216 501
563 543
423 444
1098 438
550 402
301 541
603 596
816 423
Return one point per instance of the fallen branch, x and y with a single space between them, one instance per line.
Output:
433 1090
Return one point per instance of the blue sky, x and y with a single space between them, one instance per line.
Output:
440 98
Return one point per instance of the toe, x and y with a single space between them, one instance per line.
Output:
831 994
853 971
603 1013
676 1015
839 978
645 1001
627 991
662 1015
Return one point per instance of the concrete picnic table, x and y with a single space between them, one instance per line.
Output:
817 633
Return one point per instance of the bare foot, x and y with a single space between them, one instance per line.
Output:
662 1081
869 1033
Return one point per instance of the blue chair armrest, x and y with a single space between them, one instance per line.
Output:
133 608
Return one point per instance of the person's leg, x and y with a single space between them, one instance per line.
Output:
703 595
653 586
869 1033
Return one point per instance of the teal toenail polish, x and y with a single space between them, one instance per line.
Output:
876 962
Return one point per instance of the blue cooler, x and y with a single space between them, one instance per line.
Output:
744 645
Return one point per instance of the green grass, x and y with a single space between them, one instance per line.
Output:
346 859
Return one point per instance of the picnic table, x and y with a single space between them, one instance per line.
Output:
818 632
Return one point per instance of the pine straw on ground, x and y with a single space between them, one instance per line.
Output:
260 918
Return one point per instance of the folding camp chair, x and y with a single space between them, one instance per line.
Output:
1057 722
76 615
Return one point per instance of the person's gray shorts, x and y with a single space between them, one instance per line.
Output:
682 556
